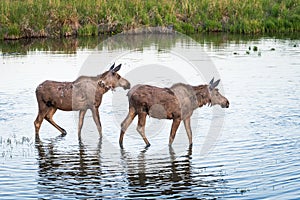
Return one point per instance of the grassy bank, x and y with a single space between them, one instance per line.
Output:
60 18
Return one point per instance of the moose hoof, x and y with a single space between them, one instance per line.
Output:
63 133
121 145
148 145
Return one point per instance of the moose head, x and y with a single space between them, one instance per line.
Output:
111 79
216 98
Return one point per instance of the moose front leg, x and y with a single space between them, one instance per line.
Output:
187 125
96 118
174 128
80 122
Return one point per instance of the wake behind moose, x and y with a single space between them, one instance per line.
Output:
177 103
80 95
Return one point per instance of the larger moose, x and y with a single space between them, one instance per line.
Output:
82 94
176 103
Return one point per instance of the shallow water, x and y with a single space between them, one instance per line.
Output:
256 155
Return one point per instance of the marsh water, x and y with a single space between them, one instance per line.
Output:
253 154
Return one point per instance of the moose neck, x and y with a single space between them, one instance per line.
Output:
202 94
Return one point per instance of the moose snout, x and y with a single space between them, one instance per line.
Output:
227 104
127 86
124 84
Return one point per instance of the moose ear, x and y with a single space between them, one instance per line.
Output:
117 68
212 85
212 81
111 68
215 84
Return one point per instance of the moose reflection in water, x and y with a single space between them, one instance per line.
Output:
61 171
92 170
174 169
175 176
82 94
176 103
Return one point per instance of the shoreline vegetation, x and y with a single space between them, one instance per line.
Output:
65 18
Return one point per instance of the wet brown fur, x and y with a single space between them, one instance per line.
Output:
80 95
177 103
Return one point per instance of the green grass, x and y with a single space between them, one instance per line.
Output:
59 18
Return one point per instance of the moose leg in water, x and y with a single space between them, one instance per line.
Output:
49 118
174 128
43 109
187 125
125 124
141 127
80 122
96 118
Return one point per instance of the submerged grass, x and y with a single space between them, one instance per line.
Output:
59 18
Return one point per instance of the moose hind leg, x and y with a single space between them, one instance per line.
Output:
49 118
43 109
174 128
38 122
141 127
125 124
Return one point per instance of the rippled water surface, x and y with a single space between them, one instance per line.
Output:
255 156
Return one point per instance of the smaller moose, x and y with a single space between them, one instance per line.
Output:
84 93
176 103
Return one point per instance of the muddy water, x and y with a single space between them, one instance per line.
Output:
255 156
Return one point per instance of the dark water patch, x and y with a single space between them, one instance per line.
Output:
52 46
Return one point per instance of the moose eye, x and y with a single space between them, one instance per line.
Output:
101 84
